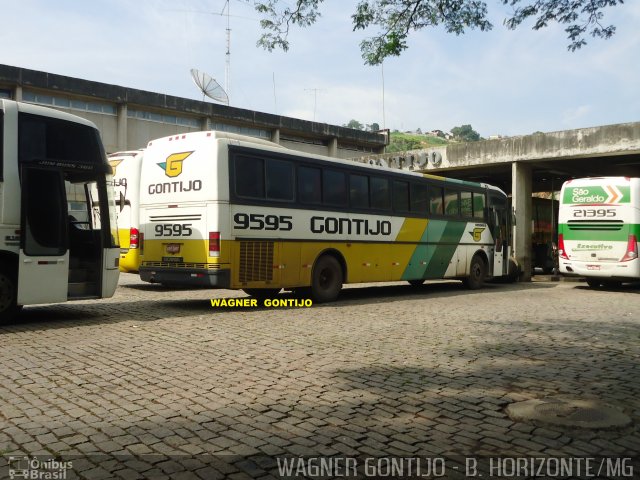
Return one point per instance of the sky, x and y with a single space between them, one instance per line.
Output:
501 82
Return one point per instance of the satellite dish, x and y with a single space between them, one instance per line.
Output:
209 87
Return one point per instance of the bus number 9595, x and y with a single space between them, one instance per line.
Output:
256 221
174 230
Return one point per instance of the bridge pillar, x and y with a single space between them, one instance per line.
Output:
121 135
275 135
333 147
521 178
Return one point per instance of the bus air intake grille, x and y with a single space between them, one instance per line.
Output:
603 226
256 261
201 266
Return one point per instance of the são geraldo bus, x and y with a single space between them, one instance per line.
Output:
58 238
126 177
598 230
230 211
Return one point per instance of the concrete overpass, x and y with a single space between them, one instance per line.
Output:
540 162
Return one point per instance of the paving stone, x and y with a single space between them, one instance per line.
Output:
385 370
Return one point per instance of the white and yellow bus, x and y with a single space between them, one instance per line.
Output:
126 177
58 237
230 211
599 228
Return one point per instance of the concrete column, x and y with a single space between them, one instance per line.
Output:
122 127
275 136
205 125
333 147
18 93
521 195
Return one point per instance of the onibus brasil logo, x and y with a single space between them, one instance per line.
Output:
173 165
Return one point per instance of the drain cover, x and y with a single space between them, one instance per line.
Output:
568 412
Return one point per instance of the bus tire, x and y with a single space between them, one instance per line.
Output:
262 293
477 273
326 279
8 294
593 282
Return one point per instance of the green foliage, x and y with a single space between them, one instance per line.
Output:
395 20
401 142
465 133
355 124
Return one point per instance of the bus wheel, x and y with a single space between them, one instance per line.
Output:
416 283
262 293
8 292
593 282
477 273
326 279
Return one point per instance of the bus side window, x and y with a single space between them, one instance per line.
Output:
358 191
249 174
309 185
279 180
334 188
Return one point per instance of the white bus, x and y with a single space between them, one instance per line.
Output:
126 177
58 237
230 211
598 229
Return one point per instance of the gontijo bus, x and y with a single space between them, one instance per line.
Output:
231 211
58 238
598 230
126 178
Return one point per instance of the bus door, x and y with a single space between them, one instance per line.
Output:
44 256
499 215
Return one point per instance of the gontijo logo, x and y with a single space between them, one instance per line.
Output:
114 164
173 165
477 233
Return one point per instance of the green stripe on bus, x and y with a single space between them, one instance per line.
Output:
432 260
598 232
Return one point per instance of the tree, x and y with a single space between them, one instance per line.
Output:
374 127
355 124
396 19
465 133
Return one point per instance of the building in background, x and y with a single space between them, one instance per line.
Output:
129 118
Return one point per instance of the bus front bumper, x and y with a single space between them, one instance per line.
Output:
187 277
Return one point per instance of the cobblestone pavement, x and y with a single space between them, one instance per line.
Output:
155 383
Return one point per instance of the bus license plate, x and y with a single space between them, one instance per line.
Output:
172 259
593 267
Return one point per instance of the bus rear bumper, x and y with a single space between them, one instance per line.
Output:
191 277
626 271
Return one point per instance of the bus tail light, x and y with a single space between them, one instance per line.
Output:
562 252
632 249
214 244
134 235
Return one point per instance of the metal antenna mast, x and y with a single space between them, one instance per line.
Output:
315 99
227 67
